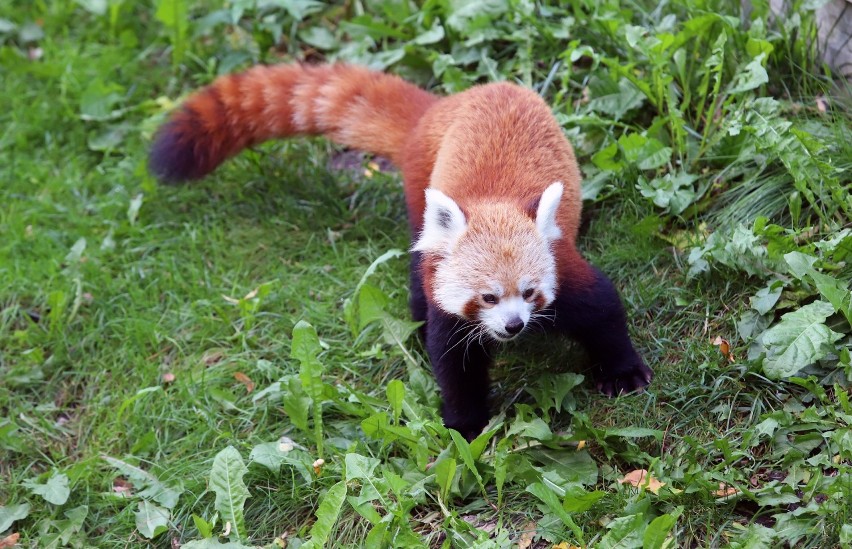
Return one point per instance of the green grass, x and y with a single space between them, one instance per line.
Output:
109 284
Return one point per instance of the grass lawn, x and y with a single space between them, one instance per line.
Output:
231 363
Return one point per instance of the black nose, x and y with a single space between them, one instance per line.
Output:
515 325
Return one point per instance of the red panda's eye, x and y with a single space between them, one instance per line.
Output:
528 293
491 299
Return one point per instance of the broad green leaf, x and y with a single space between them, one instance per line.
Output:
396 394
99 99
319 37
204 528
753 76
571 465
605 158
463 448
151 520
477 446
147 485
327 513
836 292
55 490
615 99
305 348
800 339
624 532
535 429
296 404
273 455
766 298
445 471
654 155
372 303
800 264
578 500
657 532
846 534
552 502
65 529
674 192
349 306
434 34
360 467
226 481
10 513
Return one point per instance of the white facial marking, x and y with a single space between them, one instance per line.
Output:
545 216
497 317
443 223
451 292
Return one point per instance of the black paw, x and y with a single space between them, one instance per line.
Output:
633 378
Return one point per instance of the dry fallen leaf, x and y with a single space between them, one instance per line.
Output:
725 491
528 532
251 295
212 356
122 487
724 348
821 103
11 540
640 478
245 380
564 545
581 444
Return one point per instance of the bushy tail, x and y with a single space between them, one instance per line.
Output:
353 106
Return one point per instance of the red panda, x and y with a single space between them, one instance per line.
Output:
492 190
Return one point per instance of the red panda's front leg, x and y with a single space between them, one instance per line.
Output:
593 315
460 361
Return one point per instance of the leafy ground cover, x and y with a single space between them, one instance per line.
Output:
230 363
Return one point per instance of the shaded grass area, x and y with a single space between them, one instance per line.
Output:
109 283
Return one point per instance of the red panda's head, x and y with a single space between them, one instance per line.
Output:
494 262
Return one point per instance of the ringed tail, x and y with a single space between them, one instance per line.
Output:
353 106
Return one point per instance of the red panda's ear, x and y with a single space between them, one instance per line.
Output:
545 216
443 223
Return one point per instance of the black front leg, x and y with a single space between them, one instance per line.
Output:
595 317
460 362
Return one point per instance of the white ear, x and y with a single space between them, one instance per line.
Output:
443 223
545 216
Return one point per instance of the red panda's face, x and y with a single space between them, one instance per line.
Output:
495 264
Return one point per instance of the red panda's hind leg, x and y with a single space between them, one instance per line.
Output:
594 316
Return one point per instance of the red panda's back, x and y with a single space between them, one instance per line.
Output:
493 143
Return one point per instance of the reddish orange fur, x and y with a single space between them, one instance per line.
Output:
495 142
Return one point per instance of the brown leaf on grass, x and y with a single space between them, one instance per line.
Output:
11 540
821 103
725 491
528 532
724 348
212 356
564 545
245 380
640 478
122 487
